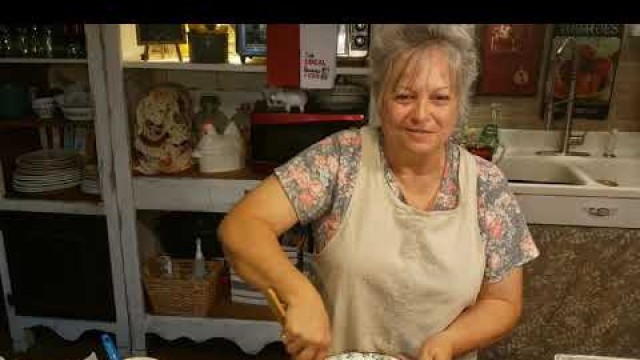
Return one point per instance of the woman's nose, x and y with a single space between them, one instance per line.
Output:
422 110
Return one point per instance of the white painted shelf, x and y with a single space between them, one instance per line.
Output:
353 71
52 206
189 194
41 61
200 329
68 328
174 65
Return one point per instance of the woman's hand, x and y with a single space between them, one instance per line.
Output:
307 334
437 347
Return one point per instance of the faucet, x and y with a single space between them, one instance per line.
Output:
568 138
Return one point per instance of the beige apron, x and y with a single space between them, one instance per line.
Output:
393 275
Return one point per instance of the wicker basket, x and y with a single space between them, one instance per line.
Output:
181 294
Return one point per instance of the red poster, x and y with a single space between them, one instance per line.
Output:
510 59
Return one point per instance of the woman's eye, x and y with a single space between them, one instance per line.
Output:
402 97
441 98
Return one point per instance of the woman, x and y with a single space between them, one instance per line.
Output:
420 243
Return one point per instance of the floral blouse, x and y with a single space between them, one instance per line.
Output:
320 181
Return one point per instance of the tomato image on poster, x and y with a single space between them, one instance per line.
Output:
598 48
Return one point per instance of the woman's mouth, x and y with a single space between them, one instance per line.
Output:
419 131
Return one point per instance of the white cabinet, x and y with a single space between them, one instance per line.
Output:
104 205
251 327
115 72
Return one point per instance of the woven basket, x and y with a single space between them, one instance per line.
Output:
181 294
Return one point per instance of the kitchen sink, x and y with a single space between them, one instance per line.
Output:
538 171
564 190
612 172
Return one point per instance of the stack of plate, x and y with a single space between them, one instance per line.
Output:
47 170
90 183
243 293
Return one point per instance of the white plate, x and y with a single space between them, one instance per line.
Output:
50 175
587 357
25 166
90 182
47 170
43 189
47 181
47 187
91 191
44 185
47 156
361 356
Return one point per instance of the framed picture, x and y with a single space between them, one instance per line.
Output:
598 48
510 58
157 34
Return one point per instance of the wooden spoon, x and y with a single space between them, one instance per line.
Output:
276 306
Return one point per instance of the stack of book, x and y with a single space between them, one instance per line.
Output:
244 293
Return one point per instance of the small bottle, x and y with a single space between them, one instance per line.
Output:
496 115
199 267
610 148
166 266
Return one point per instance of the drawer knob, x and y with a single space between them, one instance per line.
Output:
600 211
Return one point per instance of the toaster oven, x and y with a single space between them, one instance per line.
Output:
353 40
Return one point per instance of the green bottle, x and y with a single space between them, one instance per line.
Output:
489 135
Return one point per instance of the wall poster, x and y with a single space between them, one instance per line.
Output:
510 59
598 48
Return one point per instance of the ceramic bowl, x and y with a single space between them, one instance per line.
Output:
44 107
78 113
361 356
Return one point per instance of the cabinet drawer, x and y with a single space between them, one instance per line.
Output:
585 211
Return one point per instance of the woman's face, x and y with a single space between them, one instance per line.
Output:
421 109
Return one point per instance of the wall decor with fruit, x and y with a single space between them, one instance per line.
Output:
598 46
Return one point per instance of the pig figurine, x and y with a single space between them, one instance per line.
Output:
286 98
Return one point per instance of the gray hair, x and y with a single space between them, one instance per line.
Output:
390 41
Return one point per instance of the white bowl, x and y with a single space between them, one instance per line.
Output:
78 113
59 100
43 107
361 356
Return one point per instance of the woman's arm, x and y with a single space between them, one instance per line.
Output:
495 314
249 235
302 190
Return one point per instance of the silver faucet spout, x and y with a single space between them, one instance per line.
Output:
564 44
568 139
575 62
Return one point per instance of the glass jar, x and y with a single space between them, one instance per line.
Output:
21 46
